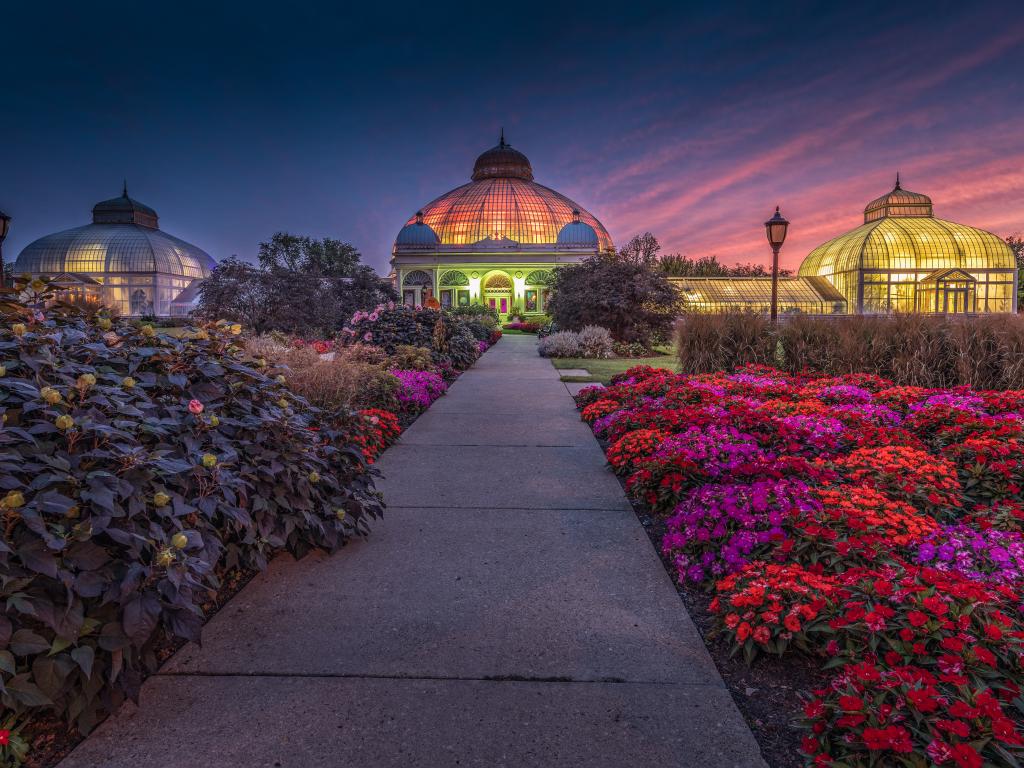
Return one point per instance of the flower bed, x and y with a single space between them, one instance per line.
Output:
874 528
143 477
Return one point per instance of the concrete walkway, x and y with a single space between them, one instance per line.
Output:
508 611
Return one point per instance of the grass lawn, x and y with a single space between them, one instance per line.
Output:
516 332
602 370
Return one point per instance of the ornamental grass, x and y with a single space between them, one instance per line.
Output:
982 352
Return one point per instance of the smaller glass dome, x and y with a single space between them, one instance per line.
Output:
578 233
417 233
899 202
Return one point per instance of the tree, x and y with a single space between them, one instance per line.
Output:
302 286
238 290
324 258
641 249
1016 243
631 298
677 265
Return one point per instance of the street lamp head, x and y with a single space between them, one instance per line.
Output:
5 225
776 228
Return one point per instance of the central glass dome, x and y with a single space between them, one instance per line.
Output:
503 203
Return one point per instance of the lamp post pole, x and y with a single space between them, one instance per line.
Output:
5 226
775 228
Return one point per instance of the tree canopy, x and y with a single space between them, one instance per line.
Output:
300 285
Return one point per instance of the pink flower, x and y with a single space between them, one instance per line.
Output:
391 305
194 406
374 317
367 336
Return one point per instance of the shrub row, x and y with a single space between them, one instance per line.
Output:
985 352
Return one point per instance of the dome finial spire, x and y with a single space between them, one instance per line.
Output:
501 141
898 180
124 190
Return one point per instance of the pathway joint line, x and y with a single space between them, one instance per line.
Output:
442 678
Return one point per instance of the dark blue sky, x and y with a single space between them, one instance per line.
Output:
235 121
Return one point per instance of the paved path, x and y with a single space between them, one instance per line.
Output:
508 611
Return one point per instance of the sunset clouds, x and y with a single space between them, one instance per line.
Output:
691 121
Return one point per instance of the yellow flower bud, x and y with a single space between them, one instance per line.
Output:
161 499
18 329
214 421
127 382
14 499
50 395
147 331
64 422
340 513
236 329
3 371
281 379
104 323
261 362
179 541
314 476
86 380
209 460
200 335
283 403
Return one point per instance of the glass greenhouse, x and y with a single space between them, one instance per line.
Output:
122 260
903 259
797 295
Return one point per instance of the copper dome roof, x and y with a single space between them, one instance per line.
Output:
504 204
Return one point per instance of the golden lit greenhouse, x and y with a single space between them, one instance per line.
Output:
902 259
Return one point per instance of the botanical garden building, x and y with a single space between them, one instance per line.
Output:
122 260
904 259
495 240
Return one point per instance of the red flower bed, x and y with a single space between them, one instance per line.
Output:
893 556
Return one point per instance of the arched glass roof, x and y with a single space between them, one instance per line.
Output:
912 244
114 248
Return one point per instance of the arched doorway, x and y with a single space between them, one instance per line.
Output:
497 292
417 288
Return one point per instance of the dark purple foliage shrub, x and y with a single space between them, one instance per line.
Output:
136 469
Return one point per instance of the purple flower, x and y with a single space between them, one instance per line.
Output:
991 556
418 389
719 527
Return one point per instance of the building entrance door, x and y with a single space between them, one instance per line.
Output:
499 303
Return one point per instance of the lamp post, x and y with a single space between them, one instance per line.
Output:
5 227
776 228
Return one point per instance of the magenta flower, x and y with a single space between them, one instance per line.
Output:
196 407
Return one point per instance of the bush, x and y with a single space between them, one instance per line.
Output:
477 312
138 469
411 358
560 344
522 325
595 342
631 299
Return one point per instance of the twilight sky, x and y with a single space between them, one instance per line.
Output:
238 120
